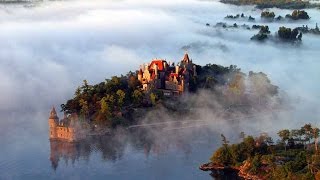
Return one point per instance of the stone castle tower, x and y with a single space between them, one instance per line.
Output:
65 129
53 123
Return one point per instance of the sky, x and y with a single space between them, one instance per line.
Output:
47 50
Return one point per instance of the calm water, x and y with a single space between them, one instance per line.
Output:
28 154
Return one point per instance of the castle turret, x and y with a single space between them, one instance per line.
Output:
156 70
53 123
177 69
186 58
140 74
182 84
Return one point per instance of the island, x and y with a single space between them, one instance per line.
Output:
305 29
282 4
293 156
295 15
125 100
284 34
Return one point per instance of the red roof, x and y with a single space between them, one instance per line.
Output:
174 74
159 63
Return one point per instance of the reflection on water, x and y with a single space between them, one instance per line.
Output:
71 152
162 148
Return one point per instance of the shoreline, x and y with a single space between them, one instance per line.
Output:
223 170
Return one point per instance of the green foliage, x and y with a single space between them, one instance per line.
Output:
297 14
282 4
268 15
121 96
259 37
288 34
222 156
255 164
284 135
153 98
264 30
262 35
105 109
105 100
279 173
137 97
273 162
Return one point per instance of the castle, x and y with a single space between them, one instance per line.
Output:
65 129
170 79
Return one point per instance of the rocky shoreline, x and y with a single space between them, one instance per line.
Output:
223 170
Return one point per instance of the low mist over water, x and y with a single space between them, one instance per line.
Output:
48 48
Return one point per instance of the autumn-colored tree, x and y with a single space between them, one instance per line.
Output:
121 96
84 108
104 109
153 98
137 97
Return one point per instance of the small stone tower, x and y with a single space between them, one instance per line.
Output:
53 123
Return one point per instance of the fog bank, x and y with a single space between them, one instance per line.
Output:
47 50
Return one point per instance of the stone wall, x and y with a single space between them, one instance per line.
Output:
64 133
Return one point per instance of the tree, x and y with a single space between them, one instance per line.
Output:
284 135
269 140
121 96
137 97
249 144
85 86
104 107
225 142
264 30
308 132
111 101
84 108
296 135
315 136
242 135
288 34
153 98
268 15
78 92
222 156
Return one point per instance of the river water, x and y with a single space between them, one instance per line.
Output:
46 50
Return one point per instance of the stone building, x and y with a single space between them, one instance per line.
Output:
65 129
171 79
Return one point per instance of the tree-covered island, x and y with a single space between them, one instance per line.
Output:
282 4
126 99
294 156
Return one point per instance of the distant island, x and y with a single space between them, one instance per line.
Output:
293 156
282 4
295 15
123 100
271 16
283 34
